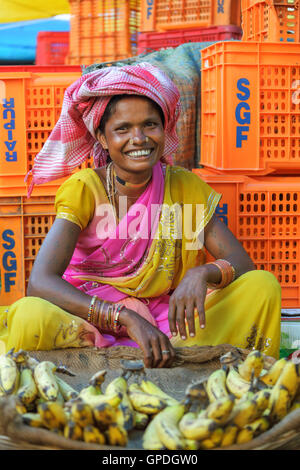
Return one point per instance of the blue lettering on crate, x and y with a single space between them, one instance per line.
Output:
150 4
221 6
222 213
10 124
9 260
242 112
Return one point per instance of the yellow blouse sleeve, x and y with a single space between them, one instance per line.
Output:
75 202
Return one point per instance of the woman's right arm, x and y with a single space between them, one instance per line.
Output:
50 264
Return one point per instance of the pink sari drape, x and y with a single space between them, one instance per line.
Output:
120 254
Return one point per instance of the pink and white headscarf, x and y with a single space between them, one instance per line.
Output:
73 138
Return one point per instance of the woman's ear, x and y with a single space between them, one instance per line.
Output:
101 138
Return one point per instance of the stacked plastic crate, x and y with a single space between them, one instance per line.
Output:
250 137
103 30
30 104
169 23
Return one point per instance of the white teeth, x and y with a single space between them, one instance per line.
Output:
139 153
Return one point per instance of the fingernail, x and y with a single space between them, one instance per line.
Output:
192 334
183 337
174 333
202 326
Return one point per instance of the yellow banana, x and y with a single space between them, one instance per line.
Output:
196 427
149 387
251 366
116 435
216 385
9 374
280 402
220 409
27 391
82 414
52 414
125 415
252 430
93 397
141 420
150 438
97 379
229 436
93 435
65 389
166 425
104 415
33 419
145 402
73 431
271 376
262 399
289 378
236 384
214 440
46 381
244 412
20 407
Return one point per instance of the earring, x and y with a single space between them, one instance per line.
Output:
131 141
147 139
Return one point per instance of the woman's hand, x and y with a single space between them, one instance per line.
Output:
189 294
157 349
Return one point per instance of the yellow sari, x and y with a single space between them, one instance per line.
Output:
231 314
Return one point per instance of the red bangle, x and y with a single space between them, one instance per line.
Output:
227 273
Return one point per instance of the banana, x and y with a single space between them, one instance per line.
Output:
244 412
97 379
229 436
216 385
116 435
191 444
73 431
289 378
9 374
148 386
166 425
251 366
20 407
92 434
66 390
150 438
220 409
141 420
125 415
145 402
271 376
252 430
280 402
53 415
104 414
262 399
196 427
27 391
82 414
236 384
93 397
214 440
46 381
33 419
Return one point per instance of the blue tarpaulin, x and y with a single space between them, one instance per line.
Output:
18 40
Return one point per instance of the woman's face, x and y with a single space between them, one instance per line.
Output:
134 136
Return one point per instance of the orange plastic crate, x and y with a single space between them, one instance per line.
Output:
250 107
29 108
52 47
263 212
271 20
24 223
103 30
163 15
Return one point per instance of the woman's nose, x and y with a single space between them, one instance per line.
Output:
138 137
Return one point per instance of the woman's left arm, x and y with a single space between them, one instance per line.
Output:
191 292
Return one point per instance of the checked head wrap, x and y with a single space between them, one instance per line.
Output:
73 138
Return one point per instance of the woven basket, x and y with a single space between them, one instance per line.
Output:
191 364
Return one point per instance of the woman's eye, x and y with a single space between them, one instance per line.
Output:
151 124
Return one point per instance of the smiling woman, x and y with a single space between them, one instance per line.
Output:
124 261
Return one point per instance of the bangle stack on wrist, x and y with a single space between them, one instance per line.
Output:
105 315
227 273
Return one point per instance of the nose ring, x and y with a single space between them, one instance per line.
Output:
131 141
